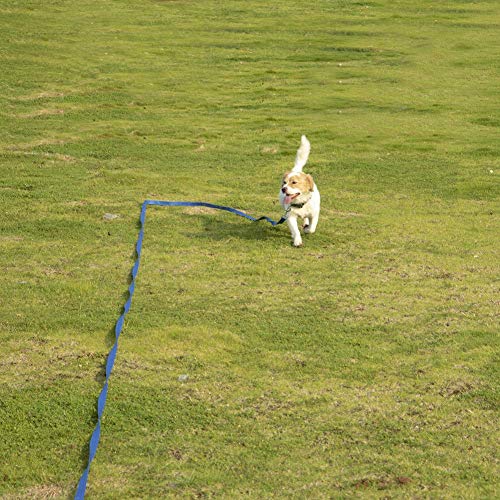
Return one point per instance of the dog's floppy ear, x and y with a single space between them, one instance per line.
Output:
310 182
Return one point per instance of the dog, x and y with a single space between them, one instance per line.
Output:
299 196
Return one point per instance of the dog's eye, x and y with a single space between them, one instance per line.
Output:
294 182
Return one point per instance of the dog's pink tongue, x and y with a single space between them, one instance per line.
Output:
288 199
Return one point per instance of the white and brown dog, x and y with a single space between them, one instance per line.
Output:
299 195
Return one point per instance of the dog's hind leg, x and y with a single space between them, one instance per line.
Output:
309 229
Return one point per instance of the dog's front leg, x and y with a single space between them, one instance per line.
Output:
314 222
294 229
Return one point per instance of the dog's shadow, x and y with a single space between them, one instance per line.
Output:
223 227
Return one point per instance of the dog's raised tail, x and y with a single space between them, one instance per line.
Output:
302 154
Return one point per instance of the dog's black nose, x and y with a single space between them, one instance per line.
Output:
283 190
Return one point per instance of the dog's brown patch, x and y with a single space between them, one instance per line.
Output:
299 181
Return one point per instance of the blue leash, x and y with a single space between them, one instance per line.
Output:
101 400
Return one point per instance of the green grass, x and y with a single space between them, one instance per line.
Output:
361 365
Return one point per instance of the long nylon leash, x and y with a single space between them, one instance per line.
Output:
101 400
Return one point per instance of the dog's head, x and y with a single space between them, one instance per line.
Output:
297 186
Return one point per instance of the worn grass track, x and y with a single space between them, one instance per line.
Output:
363 364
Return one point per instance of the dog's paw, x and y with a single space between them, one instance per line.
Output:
297 243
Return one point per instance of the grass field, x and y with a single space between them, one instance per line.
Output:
364 364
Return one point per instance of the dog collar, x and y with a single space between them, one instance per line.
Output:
300 205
